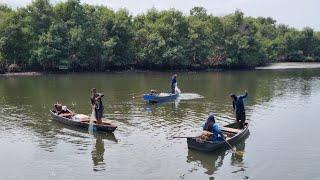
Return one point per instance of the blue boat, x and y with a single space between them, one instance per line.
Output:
160 97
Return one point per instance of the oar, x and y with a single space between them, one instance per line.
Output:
173 137
170 113
137 96
229 145
141 94
136 93
182 137
240 153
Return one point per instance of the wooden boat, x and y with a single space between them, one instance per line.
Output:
67 118
96 134
160 97
232 133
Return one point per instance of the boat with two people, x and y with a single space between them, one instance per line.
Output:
232 134
214 137
155 97
63 115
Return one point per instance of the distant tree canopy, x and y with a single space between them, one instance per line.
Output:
81 37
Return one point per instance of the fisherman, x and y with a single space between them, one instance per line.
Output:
173 83
214 128
62 111
57 108
238 108
97 105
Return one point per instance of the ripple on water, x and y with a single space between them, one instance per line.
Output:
189 96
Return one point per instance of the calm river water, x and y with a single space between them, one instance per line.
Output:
282 111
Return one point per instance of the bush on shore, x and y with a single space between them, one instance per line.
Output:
71 36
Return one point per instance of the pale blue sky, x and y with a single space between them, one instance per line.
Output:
295 13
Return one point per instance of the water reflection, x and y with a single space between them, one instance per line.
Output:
98 154
25 102
98 150
237 158
152 107
214 160
174 102
211 162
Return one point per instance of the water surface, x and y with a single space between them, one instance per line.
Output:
281 108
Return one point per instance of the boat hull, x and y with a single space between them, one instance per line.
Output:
209 146
154 98
83 125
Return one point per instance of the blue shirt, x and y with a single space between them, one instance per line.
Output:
173 80
217 133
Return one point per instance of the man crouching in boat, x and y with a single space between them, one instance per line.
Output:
212 131
97 104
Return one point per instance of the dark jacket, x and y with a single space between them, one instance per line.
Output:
98 103
238 104
173 81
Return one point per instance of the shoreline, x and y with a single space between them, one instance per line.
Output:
290 65
272 66
27 73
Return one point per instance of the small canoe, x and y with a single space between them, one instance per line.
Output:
232 132
83 124
161 97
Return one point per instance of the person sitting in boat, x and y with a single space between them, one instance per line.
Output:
238 108
153 92
62 111
213 129
57 108
97 105
173 83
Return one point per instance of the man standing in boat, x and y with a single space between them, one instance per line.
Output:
238 108
173 83
96 102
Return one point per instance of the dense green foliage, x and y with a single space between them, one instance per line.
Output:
81 37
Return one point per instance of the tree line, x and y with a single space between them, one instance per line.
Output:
73 36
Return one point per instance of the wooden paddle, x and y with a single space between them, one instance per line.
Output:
240 153
229 145
173 137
